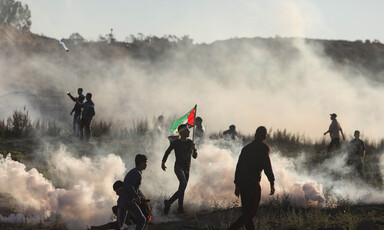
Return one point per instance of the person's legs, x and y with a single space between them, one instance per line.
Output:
136 212
87 127
121 216
334 145
183 178
75 124
250 193
81 132
78 123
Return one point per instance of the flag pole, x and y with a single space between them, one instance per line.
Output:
194 125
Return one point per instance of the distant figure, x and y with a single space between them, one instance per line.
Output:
199 129
230 133
86 117
184 148
129 199
159 123
333 131
356 152
253 159
77 110
77 117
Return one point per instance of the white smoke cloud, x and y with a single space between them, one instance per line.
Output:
86 198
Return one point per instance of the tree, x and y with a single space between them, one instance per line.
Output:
76 38
15 14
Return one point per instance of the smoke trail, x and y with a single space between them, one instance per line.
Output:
63 45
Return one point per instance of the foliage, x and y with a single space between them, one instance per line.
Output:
76 38
15 14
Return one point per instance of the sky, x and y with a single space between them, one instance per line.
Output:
209 20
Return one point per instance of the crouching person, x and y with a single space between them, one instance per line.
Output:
129 199
129 219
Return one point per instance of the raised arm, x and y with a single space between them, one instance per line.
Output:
72 97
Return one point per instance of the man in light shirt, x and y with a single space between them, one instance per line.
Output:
333 131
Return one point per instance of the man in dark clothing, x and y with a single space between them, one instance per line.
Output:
129 197
86 117
184 149
77 118
230 133
77 110
333 131
253 159
356 151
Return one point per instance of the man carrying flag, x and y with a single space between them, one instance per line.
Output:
184 148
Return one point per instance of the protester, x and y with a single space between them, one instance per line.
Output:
333 131
77 116
184 148
230 133
199 129
129 199
77 109
253 159
356 152
86 117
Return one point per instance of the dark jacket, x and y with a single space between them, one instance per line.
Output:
253 159
183 153
88 110
132 182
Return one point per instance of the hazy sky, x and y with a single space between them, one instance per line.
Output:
210 20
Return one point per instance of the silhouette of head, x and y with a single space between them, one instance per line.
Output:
198 120
261 133
88 96
333 116
141 161
232 127
80 91
117 185
356 134
183 130
160 118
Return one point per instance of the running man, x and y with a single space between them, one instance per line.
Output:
184 149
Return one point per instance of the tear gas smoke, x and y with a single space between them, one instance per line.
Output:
289 88
86 197
294 87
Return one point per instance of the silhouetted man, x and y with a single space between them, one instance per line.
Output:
184 149
231 132
129 197
333 131
253 159
77 110
86 117
356 151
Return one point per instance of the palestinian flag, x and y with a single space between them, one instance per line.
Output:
188 118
